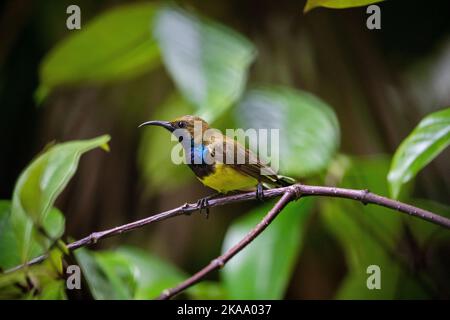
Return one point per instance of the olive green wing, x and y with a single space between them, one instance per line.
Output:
233 153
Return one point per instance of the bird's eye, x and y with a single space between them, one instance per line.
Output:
181 124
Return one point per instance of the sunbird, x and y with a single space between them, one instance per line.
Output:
217 172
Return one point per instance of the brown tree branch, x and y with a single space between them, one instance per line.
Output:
363 196
289 194
220 261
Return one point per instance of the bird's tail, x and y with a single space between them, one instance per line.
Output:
284 181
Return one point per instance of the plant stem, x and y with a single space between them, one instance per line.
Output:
364 196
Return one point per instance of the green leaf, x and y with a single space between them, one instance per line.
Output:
97 280
263 269
9 256
54 223
45 277
425 142
115 45
153 275
127 273
40 184
120 272
10 244
368 234
108 275
424 232
208 290
55 290
337 4
155 148
207 61
8 285
308 127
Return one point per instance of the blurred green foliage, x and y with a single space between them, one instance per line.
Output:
337 4
207 61
263 269
308 127
131 273
115 45
39 185
13 243
426 141
368 234
209 65
38 282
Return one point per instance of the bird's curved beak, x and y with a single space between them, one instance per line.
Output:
164 124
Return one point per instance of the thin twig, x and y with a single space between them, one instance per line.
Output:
363 196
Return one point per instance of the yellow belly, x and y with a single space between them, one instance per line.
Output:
225 179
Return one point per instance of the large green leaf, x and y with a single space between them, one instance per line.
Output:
425 142
337 4
9 256
40 184
153 275
308 128
208 290
100 286
10 244
368 234
120 272
114 45
207 61
53 224
127 273
263 269
55 290
424 232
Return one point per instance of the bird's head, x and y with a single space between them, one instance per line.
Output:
193 125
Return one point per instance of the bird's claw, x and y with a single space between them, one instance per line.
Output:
260 192
204 205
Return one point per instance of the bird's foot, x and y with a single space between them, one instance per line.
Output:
203 204
260 192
